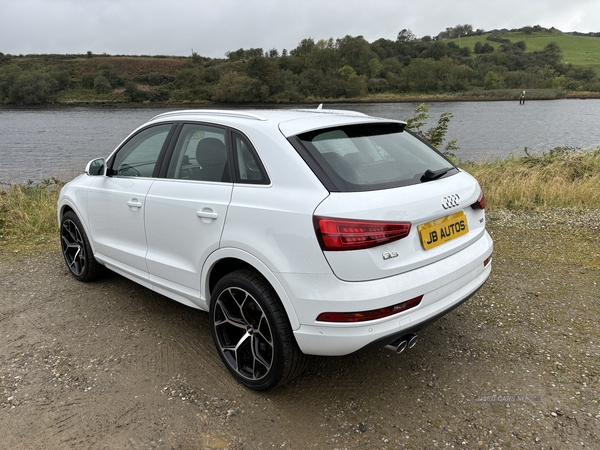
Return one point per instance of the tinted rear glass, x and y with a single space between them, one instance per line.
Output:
370 157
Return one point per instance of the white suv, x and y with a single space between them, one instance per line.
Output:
301 232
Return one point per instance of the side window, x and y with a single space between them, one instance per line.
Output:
139 155
200 154
247 164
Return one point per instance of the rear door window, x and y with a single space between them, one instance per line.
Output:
369 157
200 154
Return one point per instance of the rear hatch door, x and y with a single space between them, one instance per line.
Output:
442 222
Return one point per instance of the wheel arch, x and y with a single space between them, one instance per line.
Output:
65 209
65 205
227 260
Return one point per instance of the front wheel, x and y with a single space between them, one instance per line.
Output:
76 249
252 333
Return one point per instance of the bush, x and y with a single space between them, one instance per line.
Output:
87 80
134 95
239 88
161 95
154 79
102 85
63 79
593 85
32 88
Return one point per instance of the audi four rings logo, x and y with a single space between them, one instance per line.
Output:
450 201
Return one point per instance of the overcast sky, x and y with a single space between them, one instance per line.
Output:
213 27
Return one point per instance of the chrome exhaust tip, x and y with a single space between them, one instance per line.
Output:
399 345
412 340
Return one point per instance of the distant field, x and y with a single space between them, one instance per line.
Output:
577 50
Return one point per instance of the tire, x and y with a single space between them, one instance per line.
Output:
252 333
77 251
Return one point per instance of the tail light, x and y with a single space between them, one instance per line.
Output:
346 234
363 316
480 203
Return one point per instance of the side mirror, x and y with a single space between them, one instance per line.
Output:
95 167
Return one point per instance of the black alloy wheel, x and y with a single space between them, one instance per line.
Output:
252 333
76 249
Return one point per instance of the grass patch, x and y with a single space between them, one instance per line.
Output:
562 178
28 216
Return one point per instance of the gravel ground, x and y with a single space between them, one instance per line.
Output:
112 365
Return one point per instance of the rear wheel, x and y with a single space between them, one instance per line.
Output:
76 249
252 333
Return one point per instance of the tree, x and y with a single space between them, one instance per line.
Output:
266 71
487 48
552 53
405 36
437 50
312 83
452 75
456 32
492 81
384 48
356 52
324 56
421 75
242 55
305 47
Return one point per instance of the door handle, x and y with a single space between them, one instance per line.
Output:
207 213
134 203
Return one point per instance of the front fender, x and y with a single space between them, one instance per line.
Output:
73 195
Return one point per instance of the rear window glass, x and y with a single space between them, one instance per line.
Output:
370 157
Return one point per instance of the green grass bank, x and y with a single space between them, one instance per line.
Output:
562 178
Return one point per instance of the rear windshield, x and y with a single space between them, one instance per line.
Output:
370 157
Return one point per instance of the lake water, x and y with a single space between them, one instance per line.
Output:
38 144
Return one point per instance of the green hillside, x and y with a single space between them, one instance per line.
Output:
576 50
547 63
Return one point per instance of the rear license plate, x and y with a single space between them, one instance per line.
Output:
442 230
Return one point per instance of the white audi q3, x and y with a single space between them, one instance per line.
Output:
300 232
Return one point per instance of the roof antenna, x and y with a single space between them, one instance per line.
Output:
320 107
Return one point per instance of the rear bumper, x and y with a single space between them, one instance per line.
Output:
444 285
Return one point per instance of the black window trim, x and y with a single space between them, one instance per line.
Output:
229 134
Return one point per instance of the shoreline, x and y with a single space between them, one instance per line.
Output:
482 96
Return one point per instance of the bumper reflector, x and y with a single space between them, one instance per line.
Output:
363 316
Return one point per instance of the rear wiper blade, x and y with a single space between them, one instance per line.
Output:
431 175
